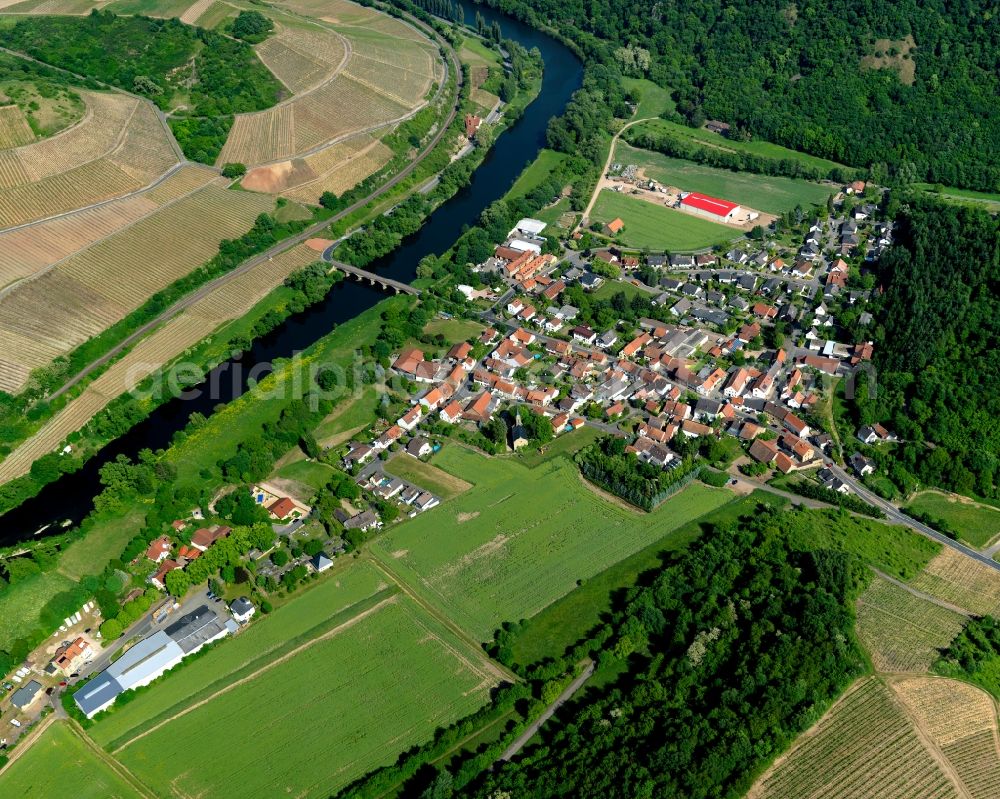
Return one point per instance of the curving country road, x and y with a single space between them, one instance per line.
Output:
288 243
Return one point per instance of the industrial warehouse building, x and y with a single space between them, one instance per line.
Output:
711 207
151 657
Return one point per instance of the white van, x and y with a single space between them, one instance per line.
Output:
15 722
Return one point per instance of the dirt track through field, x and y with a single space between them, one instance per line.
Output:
498 671
110 762
263 670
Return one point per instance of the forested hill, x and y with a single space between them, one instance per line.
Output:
792 73
937 346
739 645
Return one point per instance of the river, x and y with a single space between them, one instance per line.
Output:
71 497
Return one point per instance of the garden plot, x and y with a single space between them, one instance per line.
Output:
902 632
864 747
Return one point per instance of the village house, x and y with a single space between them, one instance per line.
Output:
159 548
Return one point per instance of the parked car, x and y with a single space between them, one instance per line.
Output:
15 722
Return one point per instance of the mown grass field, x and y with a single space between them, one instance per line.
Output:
771 194
474 51
536 172
567 620
653 99
755 147
219 436
267 638
657 227
977 524
105 540
350 414
343 706
565 444
990 200
428 476
61 764
522 538
453 330
311 473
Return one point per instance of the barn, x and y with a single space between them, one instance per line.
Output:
715 209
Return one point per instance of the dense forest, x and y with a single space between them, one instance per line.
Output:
974 655
733 649
836 79
164 60
937 348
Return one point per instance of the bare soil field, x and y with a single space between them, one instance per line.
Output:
161 347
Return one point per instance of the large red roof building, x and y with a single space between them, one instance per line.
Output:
712 207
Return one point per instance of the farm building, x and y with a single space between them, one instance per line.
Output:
151 657
710 207
528 227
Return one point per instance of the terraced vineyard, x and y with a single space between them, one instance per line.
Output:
14 127
335 168
962 581
378 67
902 632
961 720
229 301
302 58
91 290
119 147
864 747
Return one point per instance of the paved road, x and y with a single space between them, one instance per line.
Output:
267 255
894 514
529 733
